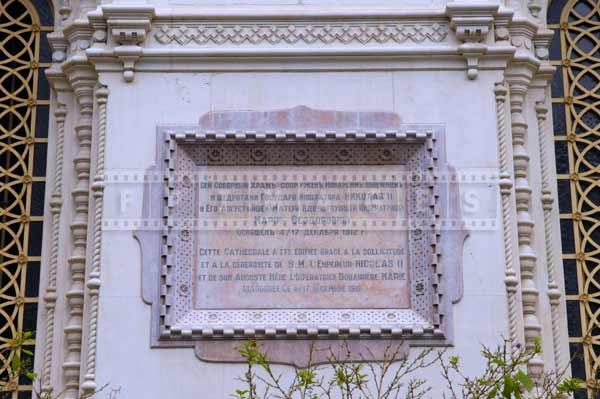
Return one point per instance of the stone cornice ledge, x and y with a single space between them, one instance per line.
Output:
297 59
294 13
138 37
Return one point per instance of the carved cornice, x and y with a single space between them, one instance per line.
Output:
128 34
117 34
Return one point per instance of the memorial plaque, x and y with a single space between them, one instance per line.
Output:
310 237
333 228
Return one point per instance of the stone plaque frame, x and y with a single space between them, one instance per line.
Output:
435 234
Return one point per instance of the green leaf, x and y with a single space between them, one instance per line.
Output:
492 393
15 364
570 385
454 361
510 387
525 381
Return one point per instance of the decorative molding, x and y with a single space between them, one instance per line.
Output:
128 26
547 199
502 22
118 34
84 7
178 322
522 32
510 280
519 77
56 201
60 47
59 81
430 319
471 23
125 34
307 33
99 29
93 283
541 42
534 7
82 79
64 10
78 34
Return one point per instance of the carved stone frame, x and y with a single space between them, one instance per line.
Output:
441 231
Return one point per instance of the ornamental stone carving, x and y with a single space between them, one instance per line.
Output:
325 33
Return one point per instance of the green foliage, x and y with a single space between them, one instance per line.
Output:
20 355
241 394
504 376
570 385
17 350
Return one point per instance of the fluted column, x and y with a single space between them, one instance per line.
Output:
83 81
518 85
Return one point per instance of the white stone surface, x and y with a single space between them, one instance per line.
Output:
150 85
480 317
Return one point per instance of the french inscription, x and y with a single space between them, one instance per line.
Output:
328 237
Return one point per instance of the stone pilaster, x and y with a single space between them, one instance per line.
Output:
93 283
62 89
518 78
56 201
82 80
547 199
511 280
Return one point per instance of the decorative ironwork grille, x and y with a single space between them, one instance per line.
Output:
576 112
24 101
